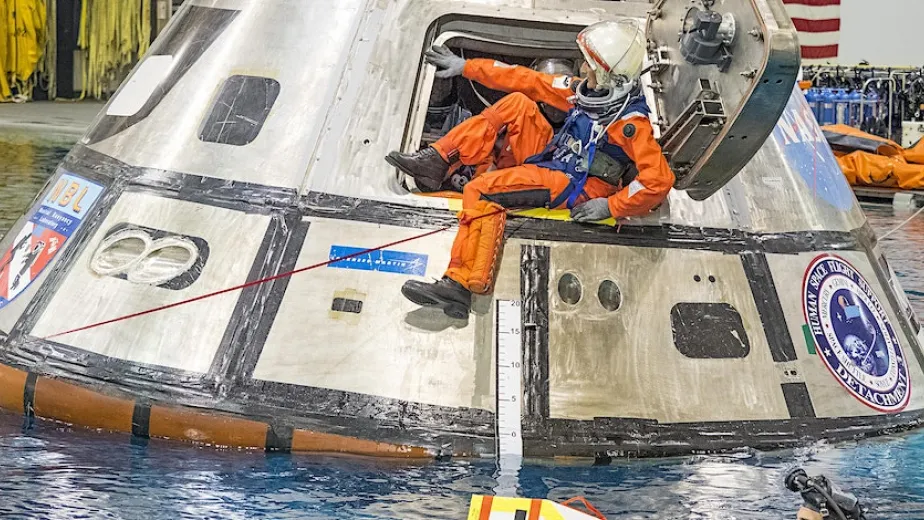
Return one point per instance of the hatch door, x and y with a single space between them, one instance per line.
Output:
721 73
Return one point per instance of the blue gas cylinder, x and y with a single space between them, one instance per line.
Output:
856 107
812 97
871 107
841 107
827 111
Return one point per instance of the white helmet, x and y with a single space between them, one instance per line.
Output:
615 51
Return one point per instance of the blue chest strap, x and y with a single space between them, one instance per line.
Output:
559 156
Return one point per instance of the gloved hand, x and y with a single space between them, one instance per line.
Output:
449 64
591 211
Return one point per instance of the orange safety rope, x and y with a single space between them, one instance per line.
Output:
587 505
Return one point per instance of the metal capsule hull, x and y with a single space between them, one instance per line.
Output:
695 328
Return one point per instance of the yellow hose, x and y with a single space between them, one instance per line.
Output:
114 35
48 66
23 34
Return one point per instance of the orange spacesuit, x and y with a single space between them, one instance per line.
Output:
540 171
528 185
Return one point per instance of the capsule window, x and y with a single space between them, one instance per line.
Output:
709 331
148 256
570 289
239 111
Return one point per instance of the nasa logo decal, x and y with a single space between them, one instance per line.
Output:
854 336
807 152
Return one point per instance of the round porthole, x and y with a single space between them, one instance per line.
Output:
569 288
609 295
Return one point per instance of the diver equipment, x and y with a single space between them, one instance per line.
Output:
426 167
855 108
812 97
841 107
819 494
615 52
828 111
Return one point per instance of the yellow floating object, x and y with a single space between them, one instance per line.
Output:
505 508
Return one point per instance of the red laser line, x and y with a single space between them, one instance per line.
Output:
262 280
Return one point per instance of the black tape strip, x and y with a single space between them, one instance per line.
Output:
215 192
647 438
269 298
671 236
28 395
346 305
141 420
241 326
910 334
798 400
534 292
520 515
91 368
757 270
279 438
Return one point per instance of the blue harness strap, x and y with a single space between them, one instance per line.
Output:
558 156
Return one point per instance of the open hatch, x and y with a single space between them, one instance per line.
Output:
721 72
440 104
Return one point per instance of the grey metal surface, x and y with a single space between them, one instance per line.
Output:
753 91
234 239
637 371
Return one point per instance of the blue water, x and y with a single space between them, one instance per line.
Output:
51 472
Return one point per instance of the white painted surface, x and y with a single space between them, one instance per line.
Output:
140 86
392 348
882 32
509 379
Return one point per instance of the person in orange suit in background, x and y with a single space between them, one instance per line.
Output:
604 162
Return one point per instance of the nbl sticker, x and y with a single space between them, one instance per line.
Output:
52 221
854 336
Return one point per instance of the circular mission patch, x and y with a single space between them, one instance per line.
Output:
854 336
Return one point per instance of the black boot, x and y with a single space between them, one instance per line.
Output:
447 294
426 167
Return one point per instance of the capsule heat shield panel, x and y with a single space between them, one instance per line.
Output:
185 337
347 327
641 360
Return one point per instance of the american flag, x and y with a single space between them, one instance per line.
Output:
819 26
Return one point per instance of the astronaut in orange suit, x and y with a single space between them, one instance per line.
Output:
604 162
